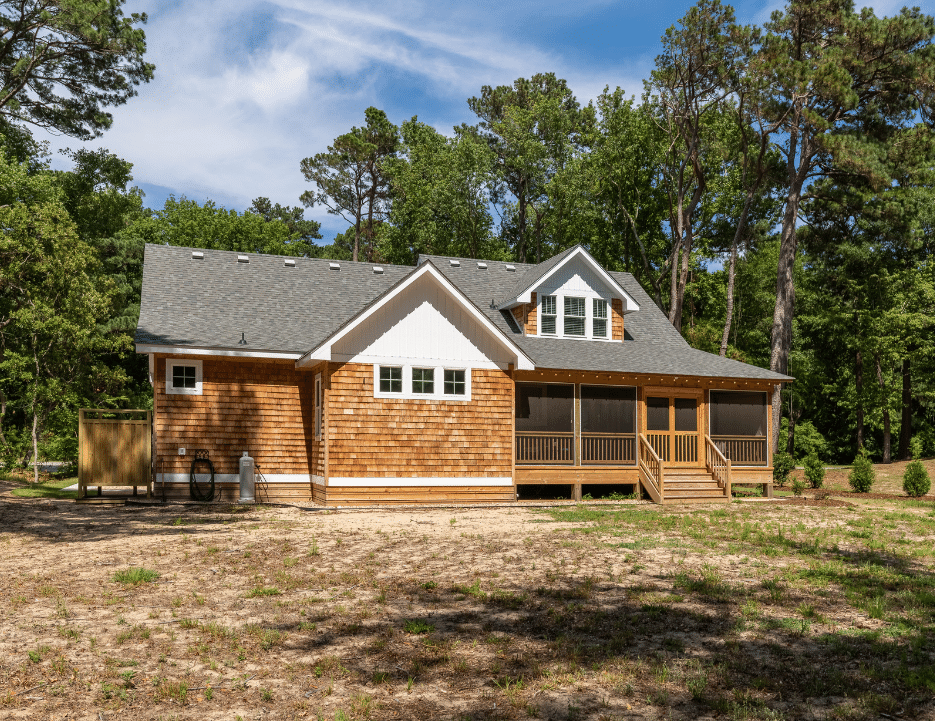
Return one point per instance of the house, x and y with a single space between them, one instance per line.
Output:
456 380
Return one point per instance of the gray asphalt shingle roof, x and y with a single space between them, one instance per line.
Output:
208 303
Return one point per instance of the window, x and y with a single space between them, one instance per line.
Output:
548 314
391 379
574 316
423 380
454 383
599 322
183 377
318 406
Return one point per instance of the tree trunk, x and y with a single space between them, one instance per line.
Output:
35 446
521 225
887 435
674 280
357 237
905 425
859 381
731 270
781 336
2 414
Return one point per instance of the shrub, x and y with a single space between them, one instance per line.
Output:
861 477
783 465
814 471
916 480
798 486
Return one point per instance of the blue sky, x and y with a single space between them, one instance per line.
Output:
244 90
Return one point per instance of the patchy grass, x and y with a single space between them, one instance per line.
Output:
135 576
746 611
49 488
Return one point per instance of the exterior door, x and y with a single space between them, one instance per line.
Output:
672 428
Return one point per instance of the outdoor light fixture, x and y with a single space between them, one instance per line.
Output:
243 340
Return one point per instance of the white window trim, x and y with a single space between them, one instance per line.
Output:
319 414
176 362
438 383
589 298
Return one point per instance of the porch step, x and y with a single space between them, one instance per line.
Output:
692 486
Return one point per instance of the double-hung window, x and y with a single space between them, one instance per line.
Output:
574 316
423 380
548 315
391 379
599 321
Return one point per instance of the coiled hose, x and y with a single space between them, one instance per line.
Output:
193 484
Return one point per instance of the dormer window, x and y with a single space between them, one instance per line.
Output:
599 321
574 316
549 309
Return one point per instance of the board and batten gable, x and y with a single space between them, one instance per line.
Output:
395 449
422 323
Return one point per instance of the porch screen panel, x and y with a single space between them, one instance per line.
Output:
545 408
545 423
738 426
608 425
608 409
736 413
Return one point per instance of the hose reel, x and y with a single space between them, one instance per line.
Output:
201 490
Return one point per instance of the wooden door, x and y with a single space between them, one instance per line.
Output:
672 423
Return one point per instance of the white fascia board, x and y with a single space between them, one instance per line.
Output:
228 352
323 351
526 295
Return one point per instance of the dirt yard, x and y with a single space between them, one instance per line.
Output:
757 610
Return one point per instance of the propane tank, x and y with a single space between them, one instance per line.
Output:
247 479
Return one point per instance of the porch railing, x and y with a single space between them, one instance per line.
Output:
551 448
651 470
608 448
743 450
718 465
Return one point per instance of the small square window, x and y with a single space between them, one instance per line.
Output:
391 379
423 380
454 383
183 377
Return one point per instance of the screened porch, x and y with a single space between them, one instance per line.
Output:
547 432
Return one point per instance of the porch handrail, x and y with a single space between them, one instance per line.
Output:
718 465
742 450
652 470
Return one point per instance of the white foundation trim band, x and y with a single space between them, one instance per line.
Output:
235 478
415 482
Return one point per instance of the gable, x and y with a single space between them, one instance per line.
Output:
422 322
575 278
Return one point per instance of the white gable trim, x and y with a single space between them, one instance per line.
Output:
526 296
323 352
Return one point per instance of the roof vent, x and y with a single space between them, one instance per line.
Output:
511 268
243 259
454 263
334 266
378 269
289 263
197 255
481 266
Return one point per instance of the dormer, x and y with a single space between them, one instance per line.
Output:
570 296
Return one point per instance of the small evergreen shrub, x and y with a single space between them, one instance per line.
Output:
916 480
861 477
797 487
814 471
783 465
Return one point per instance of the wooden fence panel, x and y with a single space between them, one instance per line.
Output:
114 448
